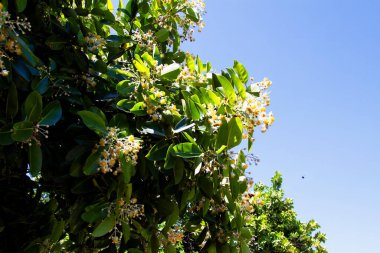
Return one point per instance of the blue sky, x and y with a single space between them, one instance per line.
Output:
324 60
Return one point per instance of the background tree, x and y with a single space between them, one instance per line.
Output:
274 222
112 139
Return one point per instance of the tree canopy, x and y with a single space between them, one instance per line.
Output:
112 139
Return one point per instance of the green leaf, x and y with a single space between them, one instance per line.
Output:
213 97
21 69
33 106
173 217
235 132
222 136
40 85
149 59
227 87
105 226
55 42
190 62
100 66
126 229
93 122
35 158
246 233
51 114
152 128
95 212
194 105
125 105
139 109
241 71
170 161
162 35
22 131
140 66
169 248
120 120
201 68
110 5
182 126
6 137
212 248
164 206
171 72
27 54
244 247
127 168
238 84
206 185
221 149
193 15
91 165
158 151
179 169
187 150
105 14
57 231
12 101
21 5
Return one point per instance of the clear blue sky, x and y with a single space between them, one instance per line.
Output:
324 60
323 57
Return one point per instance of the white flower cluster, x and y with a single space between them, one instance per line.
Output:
144 40
252 110
8 44
113 146
94 42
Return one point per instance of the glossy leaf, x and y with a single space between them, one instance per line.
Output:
235 132
105 226
227 87
190 62
222 136
171 72
21 5
179 169
27 53
238 84
186 150
35 158
162 35
93 122
91 165
127 168
33 106
57 231
241 71
139 109
22 131
158 151
182 126
170 161
51 114
40 85
6 137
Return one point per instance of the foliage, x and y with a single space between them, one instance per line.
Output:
112 138
274 223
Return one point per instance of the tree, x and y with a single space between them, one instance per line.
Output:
114 140
274 223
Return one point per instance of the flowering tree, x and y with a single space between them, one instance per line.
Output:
112 139
274 224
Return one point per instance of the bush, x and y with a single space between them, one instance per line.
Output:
114 140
